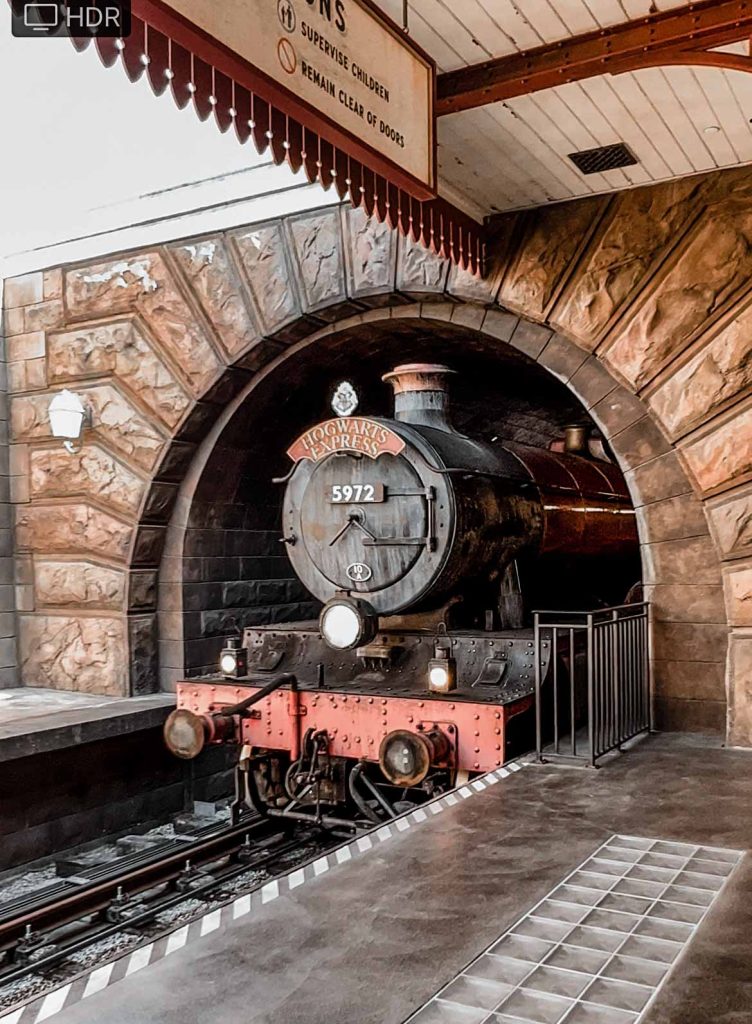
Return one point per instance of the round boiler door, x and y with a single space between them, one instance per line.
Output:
363 521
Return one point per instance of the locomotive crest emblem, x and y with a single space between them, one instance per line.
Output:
359 572
345 399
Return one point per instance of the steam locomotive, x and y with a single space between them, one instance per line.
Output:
419 542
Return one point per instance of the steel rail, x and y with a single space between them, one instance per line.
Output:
98 895
143 915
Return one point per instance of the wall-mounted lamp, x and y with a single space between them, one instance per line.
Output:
68 417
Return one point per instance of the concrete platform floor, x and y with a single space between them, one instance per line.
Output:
33 719
370 941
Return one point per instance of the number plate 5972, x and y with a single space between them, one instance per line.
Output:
345 494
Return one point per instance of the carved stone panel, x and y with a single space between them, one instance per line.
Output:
731 522
317 251
78 585
714 265
720 371
143 284
472 287
211 273
737 581
643 222
724 454
419 271
120 350
72 529
554 236
262 255
69 653
91 472
370 254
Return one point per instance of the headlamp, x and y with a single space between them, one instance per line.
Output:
348 622
233 660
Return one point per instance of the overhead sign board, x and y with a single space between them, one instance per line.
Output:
344 61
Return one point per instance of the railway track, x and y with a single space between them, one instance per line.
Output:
42 933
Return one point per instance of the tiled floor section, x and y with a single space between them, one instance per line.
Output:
598 947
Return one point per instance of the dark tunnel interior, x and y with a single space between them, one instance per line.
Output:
236 570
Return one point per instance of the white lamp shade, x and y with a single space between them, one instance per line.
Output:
67 415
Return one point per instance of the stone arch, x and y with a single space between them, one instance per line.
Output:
161 340
666 506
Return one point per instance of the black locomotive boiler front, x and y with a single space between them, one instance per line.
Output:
424 515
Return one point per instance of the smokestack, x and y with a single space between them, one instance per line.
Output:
420 394
576 438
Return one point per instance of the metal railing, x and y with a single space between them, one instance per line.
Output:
595 694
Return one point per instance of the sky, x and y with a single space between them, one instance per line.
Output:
76 136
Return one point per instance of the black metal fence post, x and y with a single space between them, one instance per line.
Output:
613 645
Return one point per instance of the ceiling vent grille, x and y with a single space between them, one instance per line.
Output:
604 158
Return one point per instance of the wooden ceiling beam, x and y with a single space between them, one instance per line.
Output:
683 35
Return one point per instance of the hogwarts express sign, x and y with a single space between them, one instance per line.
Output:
341 59
346 434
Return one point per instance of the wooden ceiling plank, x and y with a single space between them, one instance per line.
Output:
603 94
680 35
655 83
606 12
454 30
544 18
603 130
665 5
577 16
482 194
501 182
700 112
564 133
721 97
446 56
518 115
634 96
741 86
486 29
516 137
510 17
511 154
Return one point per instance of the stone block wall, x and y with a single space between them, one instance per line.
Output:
8 653
639 302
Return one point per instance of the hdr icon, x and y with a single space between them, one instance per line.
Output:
77 18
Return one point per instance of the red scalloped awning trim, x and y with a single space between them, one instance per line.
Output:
434 223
